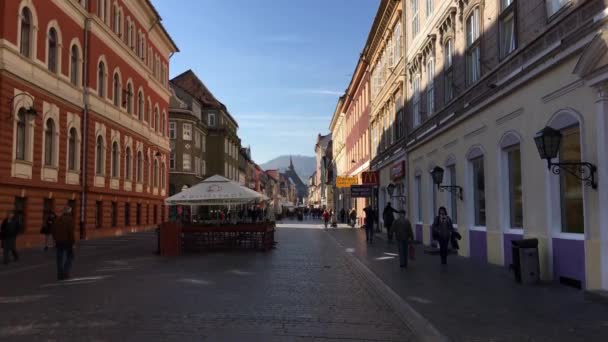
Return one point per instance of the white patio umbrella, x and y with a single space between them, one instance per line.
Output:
215 190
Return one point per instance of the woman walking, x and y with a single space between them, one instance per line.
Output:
442 232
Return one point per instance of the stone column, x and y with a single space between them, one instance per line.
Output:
602 178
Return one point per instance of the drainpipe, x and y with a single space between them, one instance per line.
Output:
83 130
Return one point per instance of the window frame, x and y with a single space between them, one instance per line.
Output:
505 13
172 130
100 152
448 73
430 87
53 51
479 211
72 149
50 143
416 112
115 158
473 74
26 50
415 17
75 65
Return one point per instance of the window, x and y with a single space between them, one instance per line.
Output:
101 80
172 132
553 6
20 210
163 172
127 214
140 167
129 98
116 87
101 9
115 153
74 65
479 191
163 130
52 50
172 161
418 199
187 131
140 106
156 173
507 27
21 136
114 214
429 7
415 23
116 19
473 52
197 166
72 152
448 52
197 139
148 113
397 41
453 200
99 154
416 102
49 143
98 214
571 190
211 120
515 187
26 37
128 165
186 162
399 110
430 92
156 119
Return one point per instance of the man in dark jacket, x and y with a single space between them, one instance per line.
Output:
404 234
64 232
8 233
388 216
369 223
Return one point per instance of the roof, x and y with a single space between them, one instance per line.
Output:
159 21
190 83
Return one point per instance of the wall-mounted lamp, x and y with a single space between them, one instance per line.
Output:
548 141
437 174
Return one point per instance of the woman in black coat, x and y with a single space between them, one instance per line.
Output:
443 231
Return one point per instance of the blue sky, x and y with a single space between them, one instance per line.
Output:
278 65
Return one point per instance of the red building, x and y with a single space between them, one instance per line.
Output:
84 98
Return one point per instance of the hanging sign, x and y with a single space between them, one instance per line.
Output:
346 182
370 178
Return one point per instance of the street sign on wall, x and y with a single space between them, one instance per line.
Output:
370 178
346 182
361 191
398 170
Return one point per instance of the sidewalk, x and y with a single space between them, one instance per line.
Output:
471 301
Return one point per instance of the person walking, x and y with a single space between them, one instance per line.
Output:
369 224
352 218
402 227
64 233
325 217
388 217
342 216
46 230
9 230
443 229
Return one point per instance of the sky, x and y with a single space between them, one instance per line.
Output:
278 65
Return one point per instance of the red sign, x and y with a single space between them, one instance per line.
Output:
370 178
398 170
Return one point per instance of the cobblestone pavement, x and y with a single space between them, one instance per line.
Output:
471 301
305 290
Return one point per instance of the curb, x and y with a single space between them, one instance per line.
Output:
421 328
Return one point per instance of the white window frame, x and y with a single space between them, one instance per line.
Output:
187 131
430 87
172 130
415 18
186 162
473 46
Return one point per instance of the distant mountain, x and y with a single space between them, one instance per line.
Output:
305 166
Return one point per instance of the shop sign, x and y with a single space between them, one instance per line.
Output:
398 170
346 182
370 178
361 191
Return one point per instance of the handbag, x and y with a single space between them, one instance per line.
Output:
411 251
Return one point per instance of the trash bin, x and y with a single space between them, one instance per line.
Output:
526 266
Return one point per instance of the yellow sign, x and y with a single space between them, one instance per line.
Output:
346 182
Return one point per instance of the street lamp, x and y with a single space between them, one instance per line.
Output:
31 110
437 174
548 141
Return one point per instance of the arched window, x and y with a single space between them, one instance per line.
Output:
129 99
448 70
128 165
115 159
510 182
430 87
129 27
140 105
101 80
52 50
99 156
140 167
156 119
74 65
149 112
473 50
155 173
116 87
26 32
49 142
72 149
101 9
21 136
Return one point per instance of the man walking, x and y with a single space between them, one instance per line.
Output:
388 218
369 224
8 233
64 232
402 227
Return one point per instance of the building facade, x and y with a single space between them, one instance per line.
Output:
483 78
86 95
223 143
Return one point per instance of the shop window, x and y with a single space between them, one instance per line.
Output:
479 191
571 188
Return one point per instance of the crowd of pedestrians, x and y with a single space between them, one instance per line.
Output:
60 230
